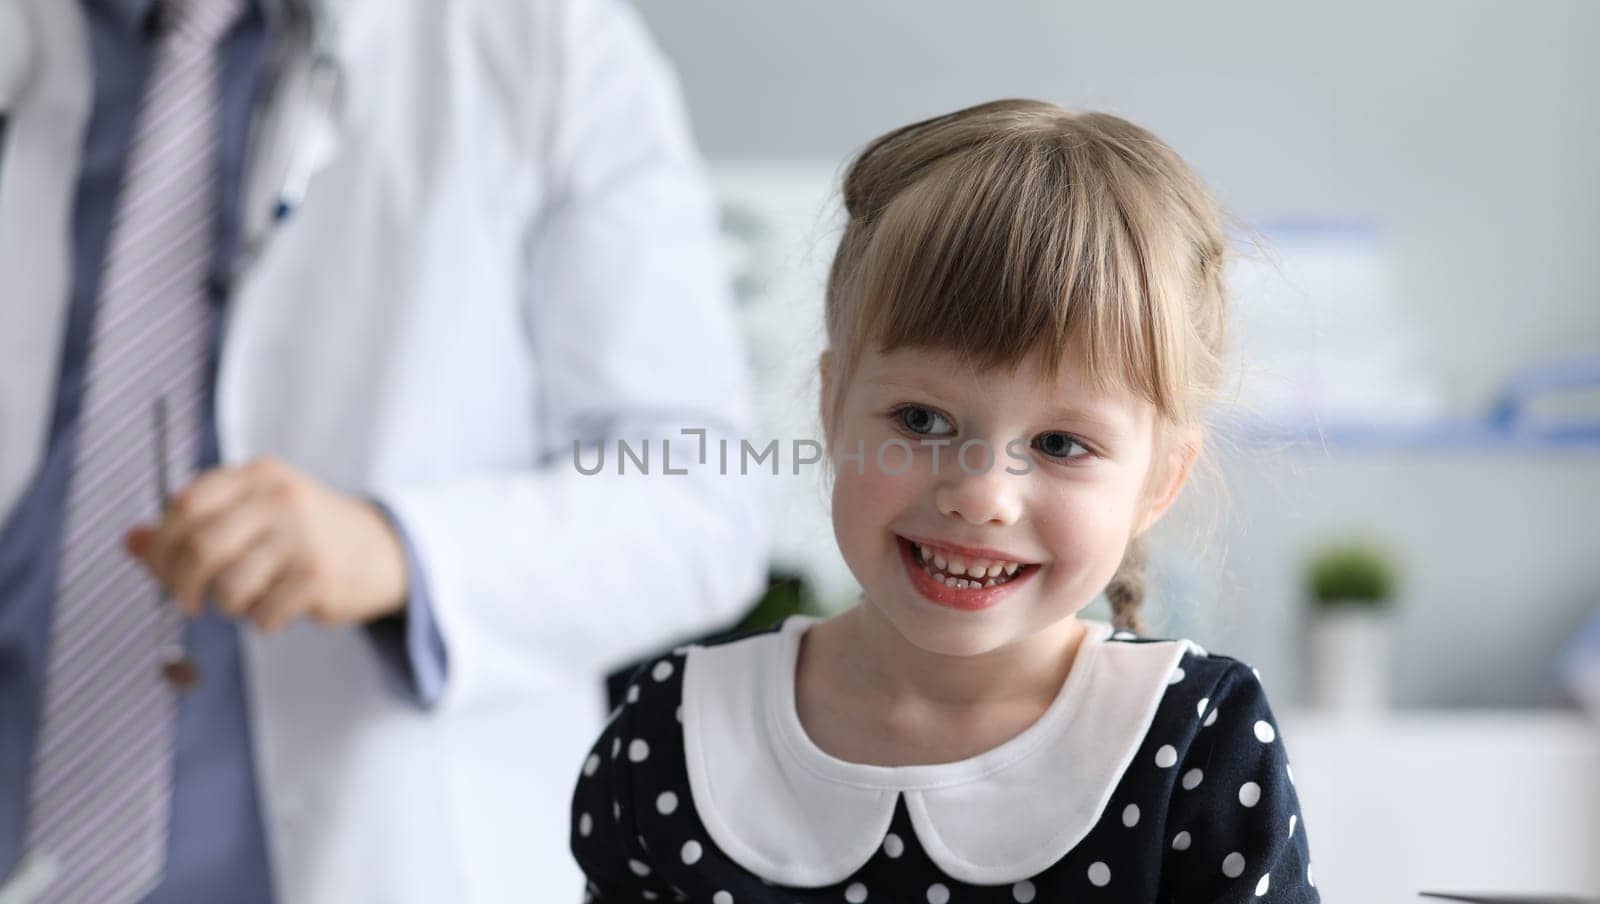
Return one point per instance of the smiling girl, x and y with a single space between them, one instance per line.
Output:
1026 318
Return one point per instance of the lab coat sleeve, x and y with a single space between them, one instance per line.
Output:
409 642
543 571
1236 835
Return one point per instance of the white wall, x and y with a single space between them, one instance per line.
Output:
1472 129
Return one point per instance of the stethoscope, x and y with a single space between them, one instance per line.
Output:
293 134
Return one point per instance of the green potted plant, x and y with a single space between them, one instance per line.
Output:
1351 585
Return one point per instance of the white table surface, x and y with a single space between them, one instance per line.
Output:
1448 801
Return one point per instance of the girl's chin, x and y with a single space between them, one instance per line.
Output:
947 632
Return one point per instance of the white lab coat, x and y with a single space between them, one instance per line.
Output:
511 246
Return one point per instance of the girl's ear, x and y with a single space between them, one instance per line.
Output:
825 394
1179 462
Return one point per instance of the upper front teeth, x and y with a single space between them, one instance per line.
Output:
956 565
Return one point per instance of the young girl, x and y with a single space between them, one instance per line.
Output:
1025 317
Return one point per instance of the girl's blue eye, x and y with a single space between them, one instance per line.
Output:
923 421
1058 445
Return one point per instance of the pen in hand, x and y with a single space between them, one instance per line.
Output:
176 664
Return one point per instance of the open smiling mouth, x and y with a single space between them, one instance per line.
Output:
961 581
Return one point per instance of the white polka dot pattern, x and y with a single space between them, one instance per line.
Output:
1249 794
893 846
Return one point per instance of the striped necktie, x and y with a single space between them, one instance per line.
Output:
102 777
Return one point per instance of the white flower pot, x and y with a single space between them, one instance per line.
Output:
1349 657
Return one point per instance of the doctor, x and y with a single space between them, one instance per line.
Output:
386 261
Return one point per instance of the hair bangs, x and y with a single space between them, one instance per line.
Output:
1019 249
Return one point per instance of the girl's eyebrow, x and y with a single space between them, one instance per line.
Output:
1111 426
898 384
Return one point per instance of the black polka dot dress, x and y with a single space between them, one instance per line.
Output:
1157 775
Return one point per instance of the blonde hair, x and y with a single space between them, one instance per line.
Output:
1018 230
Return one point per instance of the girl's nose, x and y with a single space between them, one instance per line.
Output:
990 498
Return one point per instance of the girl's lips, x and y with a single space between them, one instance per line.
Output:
970 552
971 599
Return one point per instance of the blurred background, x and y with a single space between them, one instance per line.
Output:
1403 535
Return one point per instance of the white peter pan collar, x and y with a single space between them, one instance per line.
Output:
792 814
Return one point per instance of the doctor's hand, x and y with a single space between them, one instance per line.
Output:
269 544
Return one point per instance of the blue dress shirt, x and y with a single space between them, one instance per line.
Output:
217 845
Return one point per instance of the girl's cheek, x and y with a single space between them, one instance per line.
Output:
873 490
1081 526
883 471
